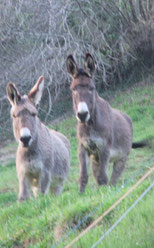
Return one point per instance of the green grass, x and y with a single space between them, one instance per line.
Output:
38 223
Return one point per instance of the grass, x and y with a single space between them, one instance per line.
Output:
39 223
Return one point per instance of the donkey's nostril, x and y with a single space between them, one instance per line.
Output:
25 140
82 116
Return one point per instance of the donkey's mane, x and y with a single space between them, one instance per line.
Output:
26 105
82 72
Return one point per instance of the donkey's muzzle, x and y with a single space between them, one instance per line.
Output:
83 116
25 140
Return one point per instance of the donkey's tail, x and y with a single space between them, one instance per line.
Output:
139 144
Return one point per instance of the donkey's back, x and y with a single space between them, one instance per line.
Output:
62 138
61 156
122 132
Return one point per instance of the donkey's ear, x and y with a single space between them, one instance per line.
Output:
13 94
89 64
71 66
36 92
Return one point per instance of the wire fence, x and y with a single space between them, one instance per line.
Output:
123 216
126 183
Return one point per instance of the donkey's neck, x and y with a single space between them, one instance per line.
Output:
34 148
97 113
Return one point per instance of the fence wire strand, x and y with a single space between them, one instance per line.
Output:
123 216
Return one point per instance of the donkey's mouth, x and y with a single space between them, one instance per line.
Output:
83 117
82 121
26 143
89 121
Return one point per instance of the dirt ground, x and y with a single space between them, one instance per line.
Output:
7 152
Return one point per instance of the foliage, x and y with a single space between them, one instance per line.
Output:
37 36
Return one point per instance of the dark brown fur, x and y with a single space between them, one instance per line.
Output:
104 133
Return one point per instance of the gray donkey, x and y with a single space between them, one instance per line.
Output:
43 155
104 133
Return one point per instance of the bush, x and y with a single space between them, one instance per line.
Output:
37 36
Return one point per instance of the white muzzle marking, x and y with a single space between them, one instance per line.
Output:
83 108
25 132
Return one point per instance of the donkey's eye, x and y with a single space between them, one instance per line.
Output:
33 114
14 116
74 91
91 89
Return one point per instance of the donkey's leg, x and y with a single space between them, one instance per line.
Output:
24 188
57 189
84 164
35 186
35 190
24 183
118 168
100 167
45 181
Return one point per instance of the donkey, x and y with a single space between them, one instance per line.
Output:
104 134
43 155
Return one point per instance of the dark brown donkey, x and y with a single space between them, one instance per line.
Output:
104 133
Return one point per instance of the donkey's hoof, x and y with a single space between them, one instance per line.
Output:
21 199
81 190
102 181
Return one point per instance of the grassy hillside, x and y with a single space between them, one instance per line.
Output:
43 221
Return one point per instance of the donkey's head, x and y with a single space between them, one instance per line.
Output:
83 88
24 112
